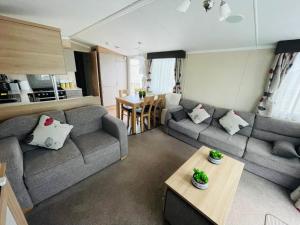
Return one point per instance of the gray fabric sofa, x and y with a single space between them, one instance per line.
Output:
251 144
96 141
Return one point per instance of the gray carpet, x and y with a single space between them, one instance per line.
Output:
130 192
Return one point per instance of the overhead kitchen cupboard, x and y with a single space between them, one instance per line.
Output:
30 48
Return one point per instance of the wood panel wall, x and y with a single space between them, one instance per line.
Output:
29 48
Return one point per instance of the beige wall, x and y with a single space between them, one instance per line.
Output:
227 79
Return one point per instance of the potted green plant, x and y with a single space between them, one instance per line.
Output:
144 93
141 93
215 157
200 179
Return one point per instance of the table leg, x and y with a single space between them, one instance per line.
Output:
133 120
117 109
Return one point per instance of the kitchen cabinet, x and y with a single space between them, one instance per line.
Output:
30 48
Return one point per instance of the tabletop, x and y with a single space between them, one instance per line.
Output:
133 99
214 202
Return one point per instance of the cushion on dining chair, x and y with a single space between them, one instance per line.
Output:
127 107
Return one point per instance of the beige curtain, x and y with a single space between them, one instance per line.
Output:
282 63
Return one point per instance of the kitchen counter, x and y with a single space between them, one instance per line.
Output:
9 110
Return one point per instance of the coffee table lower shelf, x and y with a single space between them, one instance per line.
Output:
178 212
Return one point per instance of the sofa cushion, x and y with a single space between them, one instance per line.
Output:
189 105
232 122
284 149
42 166
172 99
85 119
199 114
98 146
21 126
247 116
259 152
269 129
179 115
220 139
187 127
49 133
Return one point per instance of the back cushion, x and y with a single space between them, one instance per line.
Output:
21 126
189 105
85 120
172 99
247 116
271 130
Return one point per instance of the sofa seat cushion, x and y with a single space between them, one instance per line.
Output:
259 152
98 146
42 166
220 139
187 127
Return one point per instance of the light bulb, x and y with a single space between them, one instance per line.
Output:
225 10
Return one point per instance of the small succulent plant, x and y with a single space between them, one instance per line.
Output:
215 154
200 176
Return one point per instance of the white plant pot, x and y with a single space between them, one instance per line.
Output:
214 161
199 185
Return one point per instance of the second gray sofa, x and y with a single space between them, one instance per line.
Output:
96 141
252 144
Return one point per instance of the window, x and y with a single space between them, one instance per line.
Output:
136 73
162 75
286 100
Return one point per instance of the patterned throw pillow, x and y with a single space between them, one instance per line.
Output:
199 114
232 122
49 133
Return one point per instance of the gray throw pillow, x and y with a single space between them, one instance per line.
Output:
179 115
284 149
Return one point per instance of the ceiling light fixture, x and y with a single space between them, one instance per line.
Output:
225 11
184 6
208 4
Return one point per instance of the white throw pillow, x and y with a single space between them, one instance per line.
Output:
172 99
49 133
232 123
198 115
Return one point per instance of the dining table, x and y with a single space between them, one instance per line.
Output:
135 102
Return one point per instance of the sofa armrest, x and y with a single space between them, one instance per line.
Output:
12 155
169 112
118 129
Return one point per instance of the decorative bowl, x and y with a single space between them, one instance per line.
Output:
199 185
214 161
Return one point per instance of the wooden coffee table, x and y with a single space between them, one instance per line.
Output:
185 204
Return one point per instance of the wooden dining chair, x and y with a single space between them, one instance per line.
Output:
145 112
125 109
156 110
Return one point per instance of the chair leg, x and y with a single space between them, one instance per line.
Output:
122 114
128 118
149 121
142 124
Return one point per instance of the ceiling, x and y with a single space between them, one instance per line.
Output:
120 24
